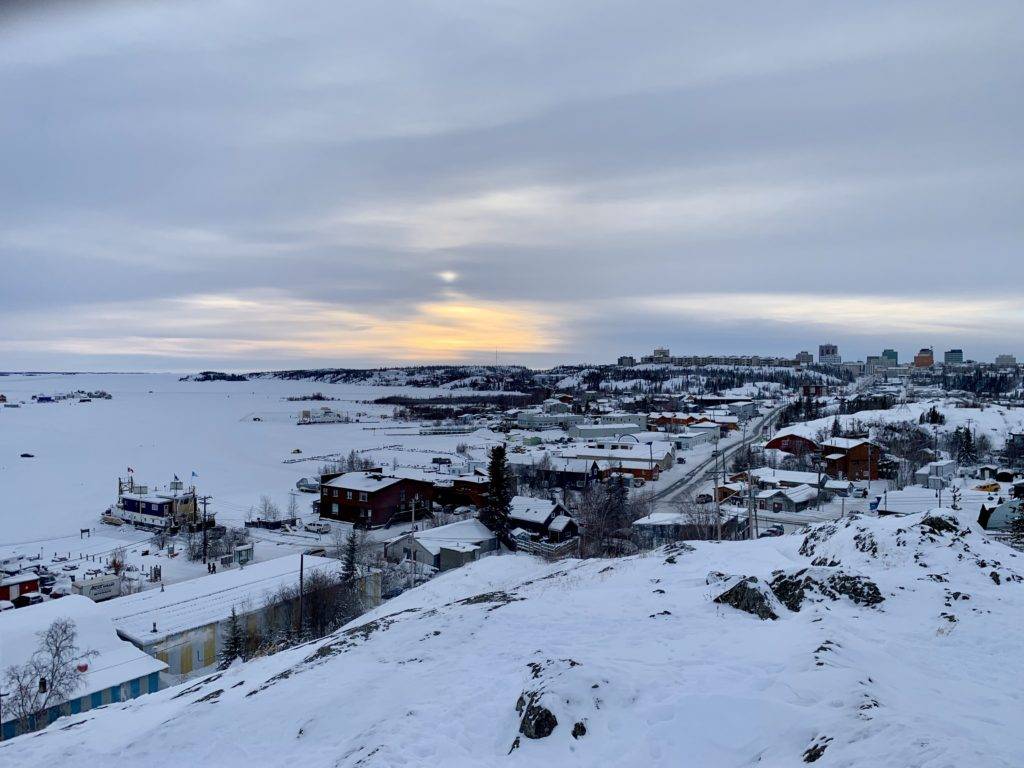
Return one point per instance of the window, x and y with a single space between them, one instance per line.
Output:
348 494
334 492
362 496
579 483
334 508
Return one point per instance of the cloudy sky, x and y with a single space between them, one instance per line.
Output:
243 184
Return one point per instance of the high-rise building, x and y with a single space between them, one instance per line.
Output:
1006 360
828 354
892 356
627 361
875 364
925 358
953 357
804 357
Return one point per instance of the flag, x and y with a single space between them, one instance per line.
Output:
194 473
131 471
176 479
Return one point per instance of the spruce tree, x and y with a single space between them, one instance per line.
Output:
499 495
234 641
837 430
1017 527
350 567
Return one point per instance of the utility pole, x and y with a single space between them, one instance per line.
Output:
718 504
205 500
302 591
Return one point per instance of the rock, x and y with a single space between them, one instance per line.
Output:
750 595
716 577
940 524
580 729
538 721
792 588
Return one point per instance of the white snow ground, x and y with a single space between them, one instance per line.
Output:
635 650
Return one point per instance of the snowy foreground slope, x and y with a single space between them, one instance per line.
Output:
632 663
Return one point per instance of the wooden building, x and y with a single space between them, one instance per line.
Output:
372 499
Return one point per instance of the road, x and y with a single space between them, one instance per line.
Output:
700 472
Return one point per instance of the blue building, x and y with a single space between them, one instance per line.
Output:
117 671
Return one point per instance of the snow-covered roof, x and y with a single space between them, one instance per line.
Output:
792 476
368 482
198 602
797 495
116 660
845 443
915 498
559 523
527 509
471 532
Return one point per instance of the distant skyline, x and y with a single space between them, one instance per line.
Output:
250 186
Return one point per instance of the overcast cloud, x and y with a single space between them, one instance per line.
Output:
243 184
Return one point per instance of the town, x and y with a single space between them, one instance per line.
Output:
605 462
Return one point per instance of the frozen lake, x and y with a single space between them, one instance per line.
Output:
160 427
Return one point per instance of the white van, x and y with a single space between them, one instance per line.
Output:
318 527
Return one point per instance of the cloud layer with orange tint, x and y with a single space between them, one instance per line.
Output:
328 183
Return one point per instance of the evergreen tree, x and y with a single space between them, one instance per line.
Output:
967 454
499 496
234 641
1017 527
837 430
350 567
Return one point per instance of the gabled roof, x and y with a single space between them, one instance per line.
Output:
527 509
367 482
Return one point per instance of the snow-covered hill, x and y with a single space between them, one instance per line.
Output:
895 643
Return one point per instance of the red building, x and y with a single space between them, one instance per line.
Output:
851 458
373 499
19 584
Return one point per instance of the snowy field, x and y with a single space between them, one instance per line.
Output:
160 427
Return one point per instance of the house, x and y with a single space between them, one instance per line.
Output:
852 458
936 474
766 477
687 440
14 585
372 499
656 456
184 624
445 547
839 487
787 499
117 672
555 471
660 528
542 518
469 490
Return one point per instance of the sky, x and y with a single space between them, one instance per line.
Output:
245 185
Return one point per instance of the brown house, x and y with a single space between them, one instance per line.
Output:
851 458
373 499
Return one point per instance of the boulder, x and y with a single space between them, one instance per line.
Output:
749 594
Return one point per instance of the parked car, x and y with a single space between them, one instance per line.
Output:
638 482
6 605
318 527
29 598
111 520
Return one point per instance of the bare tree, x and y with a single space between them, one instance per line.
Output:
118 561
700 521
266 509
293 506
48 679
